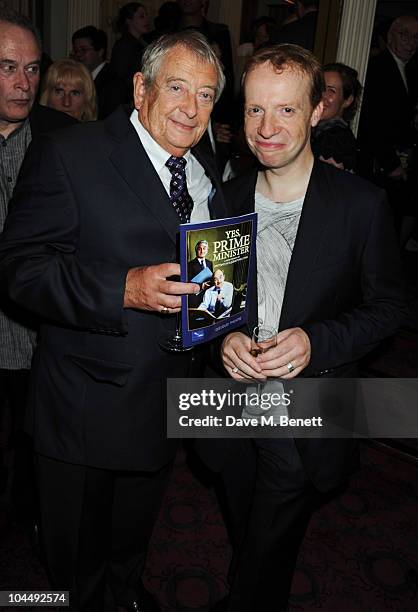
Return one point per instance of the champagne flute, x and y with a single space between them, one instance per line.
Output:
174 343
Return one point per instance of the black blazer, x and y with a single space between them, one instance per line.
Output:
43 119
344 289
126 60
193 267
111 91
88 207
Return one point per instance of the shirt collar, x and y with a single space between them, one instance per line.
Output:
156 153
96 71
401 66
15 132
396 58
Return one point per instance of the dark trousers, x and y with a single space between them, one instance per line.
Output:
95 529
283 502
13 394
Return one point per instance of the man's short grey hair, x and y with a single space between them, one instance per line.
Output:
19 20
191 40
199 243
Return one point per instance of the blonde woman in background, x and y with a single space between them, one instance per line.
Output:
69 88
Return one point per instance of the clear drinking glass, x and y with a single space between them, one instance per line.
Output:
263 339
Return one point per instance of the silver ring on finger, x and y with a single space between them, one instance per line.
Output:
165 310
290 367
235 370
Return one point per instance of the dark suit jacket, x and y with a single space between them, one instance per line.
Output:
386 114
344 289
193 267
126 59
111 91
43 119
88 207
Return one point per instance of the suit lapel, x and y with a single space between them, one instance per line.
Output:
135 168
315 217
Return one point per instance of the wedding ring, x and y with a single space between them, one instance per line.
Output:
165 310
235 370
290 367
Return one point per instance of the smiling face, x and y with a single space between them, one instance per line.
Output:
19 75
218 279
175 110
279 115
201 250
333 97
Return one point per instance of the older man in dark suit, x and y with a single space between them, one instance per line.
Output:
390 84
196 266
328 279
90 247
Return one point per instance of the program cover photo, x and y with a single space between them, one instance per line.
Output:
217 255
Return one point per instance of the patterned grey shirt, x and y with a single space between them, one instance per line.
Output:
16 341
277 227
276 233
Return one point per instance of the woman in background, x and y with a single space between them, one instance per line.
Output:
332 139
69 88
127 51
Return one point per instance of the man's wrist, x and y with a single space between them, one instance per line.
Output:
131 282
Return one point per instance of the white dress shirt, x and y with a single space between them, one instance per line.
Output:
212 295
96 71
401 66
198 183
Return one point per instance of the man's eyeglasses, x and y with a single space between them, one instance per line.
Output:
407 36
82 50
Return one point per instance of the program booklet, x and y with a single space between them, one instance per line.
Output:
217 255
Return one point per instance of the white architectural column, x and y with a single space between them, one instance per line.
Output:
355 36
82 13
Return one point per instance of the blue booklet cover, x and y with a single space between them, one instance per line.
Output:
218 255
